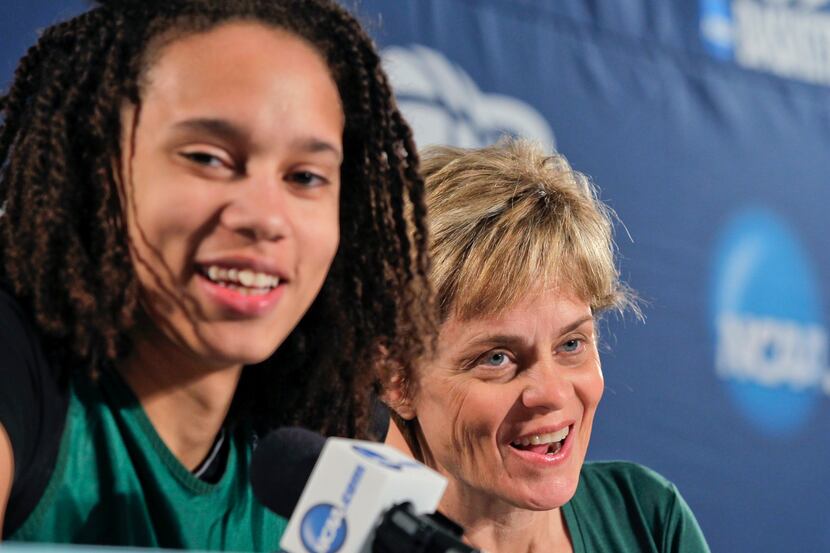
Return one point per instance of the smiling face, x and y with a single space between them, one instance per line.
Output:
507 403
231 181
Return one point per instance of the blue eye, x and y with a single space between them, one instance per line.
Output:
495 359
571 345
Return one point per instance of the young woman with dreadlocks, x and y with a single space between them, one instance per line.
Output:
212 223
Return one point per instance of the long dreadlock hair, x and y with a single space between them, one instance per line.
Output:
63 239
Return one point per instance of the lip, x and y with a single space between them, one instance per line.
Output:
543 459
256 264
544 430
236 303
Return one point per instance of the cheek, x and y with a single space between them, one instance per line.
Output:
589 388
319 238
156 212
165 236
596 386
480 414
458 420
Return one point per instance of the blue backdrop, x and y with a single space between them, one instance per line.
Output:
705 124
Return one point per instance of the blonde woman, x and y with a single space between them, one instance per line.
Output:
523 266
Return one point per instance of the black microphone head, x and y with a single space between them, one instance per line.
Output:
281 465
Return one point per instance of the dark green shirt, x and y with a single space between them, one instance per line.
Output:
624 507
116 483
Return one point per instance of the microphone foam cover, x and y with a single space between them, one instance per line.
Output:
281 465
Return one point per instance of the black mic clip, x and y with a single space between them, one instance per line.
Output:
402 530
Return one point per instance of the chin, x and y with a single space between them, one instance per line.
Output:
252 357
545 497
234 352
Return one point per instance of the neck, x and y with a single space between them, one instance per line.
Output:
496 526
185 401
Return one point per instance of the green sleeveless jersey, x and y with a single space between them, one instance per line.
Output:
116 483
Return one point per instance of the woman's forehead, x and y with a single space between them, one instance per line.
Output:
248 76
552 309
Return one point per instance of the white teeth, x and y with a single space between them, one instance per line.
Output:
246 277
247 291
245 281
539 439
261 280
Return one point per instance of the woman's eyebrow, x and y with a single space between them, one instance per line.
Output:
315 145
510 340
576 324
517 340
226 130
220 128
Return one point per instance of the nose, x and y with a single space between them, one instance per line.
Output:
259 210
548 387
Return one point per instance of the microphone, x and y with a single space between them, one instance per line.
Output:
351 496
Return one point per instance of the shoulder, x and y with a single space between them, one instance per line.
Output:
21 350
624 485
20 341
33 405
624 478
12 315
24 365
626 499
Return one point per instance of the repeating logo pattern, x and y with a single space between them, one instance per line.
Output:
770 338
445 106
789 38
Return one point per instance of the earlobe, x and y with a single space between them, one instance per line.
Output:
398 399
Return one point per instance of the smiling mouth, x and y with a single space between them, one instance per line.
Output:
244 281
547 444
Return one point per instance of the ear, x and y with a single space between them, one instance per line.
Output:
397 395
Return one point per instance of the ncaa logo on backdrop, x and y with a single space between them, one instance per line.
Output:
789 38
444 105
770 337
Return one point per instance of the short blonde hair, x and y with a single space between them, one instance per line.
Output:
509 218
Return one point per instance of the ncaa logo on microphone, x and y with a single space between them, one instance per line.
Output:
382 460
324 526
771 341
323 529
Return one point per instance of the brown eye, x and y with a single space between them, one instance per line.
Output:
308 179
203 158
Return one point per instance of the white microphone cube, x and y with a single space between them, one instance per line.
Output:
353 483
